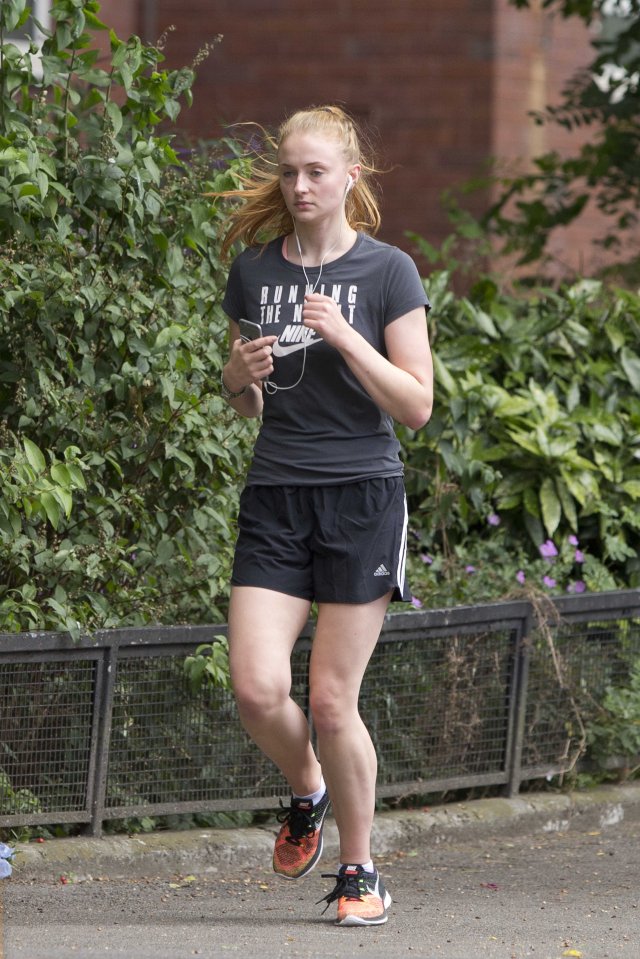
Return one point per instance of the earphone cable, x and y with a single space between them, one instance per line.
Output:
269 386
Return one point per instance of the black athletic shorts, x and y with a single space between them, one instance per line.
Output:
331 544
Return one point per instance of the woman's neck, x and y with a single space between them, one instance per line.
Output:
313 247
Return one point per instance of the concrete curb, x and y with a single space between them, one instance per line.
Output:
211 850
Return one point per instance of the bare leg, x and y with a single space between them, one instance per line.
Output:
263 628
345 638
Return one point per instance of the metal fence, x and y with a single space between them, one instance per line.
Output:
491 695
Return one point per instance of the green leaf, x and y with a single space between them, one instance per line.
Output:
57 607
631 366
481 319
65 499
526 442
34 456
51 508
94 22
510 406
115 116
550 506
43 183
173 452
170 334
443 377
138 346
29 189
531 502
76 476
60 473
568 502
175 260
632 487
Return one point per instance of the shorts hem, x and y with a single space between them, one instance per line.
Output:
274 588
361 600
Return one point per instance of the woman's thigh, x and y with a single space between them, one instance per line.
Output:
263 628
345 637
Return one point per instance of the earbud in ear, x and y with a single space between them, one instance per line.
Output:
350 182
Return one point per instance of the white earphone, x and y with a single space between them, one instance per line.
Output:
350 182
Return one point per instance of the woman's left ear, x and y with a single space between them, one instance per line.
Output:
352 178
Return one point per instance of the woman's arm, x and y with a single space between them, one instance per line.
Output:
248 364
401 385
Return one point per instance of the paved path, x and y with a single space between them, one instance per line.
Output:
537 892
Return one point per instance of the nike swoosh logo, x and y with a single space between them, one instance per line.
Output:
283 349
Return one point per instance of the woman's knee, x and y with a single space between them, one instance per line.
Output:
331 709
257 697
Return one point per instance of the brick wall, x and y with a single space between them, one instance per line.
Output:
445 83
122 16
535 55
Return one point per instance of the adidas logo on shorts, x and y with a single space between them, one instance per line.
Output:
382 570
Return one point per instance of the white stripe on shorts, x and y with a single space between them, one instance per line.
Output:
402 554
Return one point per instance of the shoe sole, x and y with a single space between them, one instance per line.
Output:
361 921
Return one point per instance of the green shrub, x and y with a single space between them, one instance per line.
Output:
615 733
119 463
536 427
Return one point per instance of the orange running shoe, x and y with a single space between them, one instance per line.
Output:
362 898
299 843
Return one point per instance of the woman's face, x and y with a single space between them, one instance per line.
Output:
313 176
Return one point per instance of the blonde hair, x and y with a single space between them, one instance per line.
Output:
262 213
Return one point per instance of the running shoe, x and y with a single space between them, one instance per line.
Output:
362 898
299 842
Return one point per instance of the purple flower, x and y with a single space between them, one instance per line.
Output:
6 852
579 556
426 558
549 581
520 576
493 519
469 569
548 550
573 540
416 602
578 587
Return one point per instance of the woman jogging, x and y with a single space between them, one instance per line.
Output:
335 350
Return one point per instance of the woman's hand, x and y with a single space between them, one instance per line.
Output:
322 314
249 362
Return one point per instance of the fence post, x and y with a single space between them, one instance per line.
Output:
103 709
522 658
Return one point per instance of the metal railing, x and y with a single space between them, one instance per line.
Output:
108 727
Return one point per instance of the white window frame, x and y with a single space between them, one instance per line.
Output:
614 73
616 8
40 12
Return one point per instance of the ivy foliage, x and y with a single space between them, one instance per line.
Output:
119 462
605 98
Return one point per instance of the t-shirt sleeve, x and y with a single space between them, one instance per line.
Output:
233 302
404 288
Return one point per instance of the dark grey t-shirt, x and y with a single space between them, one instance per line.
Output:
326 429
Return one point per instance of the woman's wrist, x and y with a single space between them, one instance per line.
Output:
228 390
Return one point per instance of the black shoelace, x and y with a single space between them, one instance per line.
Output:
346 886
301 824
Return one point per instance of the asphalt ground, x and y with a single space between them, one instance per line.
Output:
550 877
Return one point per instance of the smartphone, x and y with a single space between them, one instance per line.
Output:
249 330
